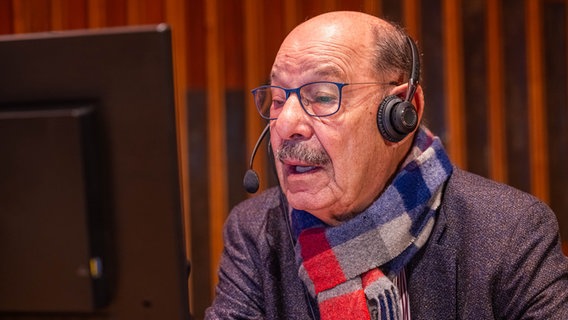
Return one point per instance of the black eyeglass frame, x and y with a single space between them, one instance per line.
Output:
289 91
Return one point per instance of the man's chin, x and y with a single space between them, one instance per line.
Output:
310 203
303 200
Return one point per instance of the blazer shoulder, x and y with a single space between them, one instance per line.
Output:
474 207
252 207
250 215
467 190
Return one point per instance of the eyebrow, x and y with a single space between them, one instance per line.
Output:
328 70
322 70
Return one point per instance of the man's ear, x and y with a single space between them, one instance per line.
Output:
399 91
418 102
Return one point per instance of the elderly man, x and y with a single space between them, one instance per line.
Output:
370 219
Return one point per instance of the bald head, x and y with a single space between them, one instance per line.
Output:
348 24
361 39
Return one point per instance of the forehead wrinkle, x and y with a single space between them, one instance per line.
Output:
333 51
332 61
328 70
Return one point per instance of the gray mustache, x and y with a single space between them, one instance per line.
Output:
291 150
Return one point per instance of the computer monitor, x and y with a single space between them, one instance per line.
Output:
90 205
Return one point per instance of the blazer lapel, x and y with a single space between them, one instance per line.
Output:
432 283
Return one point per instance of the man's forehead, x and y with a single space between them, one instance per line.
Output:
315 53
312 70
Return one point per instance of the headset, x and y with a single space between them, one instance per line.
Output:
396 118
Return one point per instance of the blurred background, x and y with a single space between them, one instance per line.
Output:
494 76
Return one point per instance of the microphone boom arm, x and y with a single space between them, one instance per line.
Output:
250 180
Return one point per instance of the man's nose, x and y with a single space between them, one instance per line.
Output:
293 121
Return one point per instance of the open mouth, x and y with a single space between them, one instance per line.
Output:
304 169
297 169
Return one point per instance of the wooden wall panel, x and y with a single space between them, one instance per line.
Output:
454 79
433 67
116 13
198 158
68 14
233 39
475 112
411 19
555 51
516 106
31 16
175 14
495 93
255 61
538 140
6 17
144 11
195 51
216 129
392 10
494 76
96 12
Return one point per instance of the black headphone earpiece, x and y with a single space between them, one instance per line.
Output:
396 118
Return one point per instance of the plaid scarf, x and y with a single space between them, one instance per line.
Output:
349 268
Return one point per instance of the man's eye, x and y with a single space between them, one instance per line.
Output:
326 99
278 103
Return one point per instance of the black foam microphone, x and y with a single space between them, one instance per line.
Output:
250 180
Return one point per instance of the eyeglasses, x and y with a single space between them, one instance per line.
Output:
318 99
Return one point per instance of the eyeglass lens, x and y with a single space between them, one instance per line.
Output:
317 99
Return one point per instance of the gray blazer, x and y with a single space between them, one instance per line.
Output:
494 253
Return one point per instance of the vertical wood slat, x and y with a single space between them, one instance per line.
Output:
495 90
454 82
538 145
58 15
196 66
328 5
6 17
252 15
68 14
372 7
31 16
411 16
116 13
135 11
233 39
175 14
291 15
144 11
218 193
96 13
